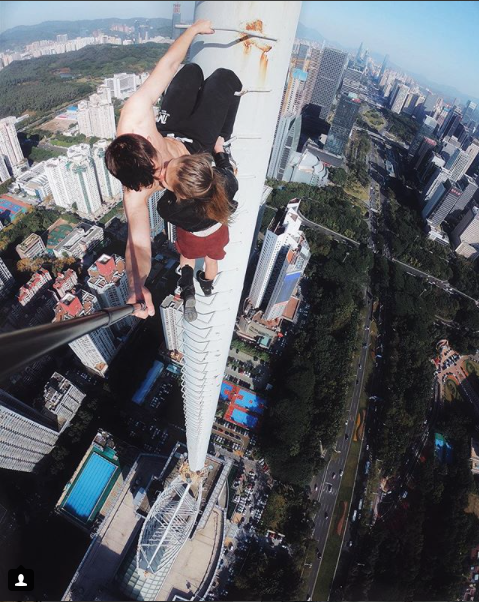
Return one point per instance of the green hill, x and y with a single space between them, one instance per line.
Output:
39 85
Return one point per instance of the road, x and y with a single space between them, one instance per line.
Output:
336 464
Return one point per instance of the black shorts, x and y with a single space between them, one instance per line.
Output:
200 109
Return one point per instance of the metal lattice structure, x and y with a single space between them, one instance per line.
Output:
167 527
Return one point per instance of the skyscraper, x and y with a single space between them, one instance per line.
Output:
28 435
285 144
330 72
294 265
283 234
110 187
175 20
313 68
468 111
4 175
293 98
96 349
352 80
398 98
7 281
450 123
343 121
157 223
450 198
458 163
383 66
171 312
107 280
465 236
82 168
96 117
426 130
9 144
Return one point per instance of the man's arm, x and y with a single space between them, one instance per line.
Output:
151 90
138 248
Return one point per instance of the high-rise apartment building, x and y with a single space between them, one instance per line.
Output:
26 435
398 98
343 121
283 234
294 265
61 181
110 187
9 145
96 117
73 179
64 283
330 72
96 349
81 166
31 247
122 85
109 283
4 175
157 224
62 399
171 312
7 281
37 283
285 144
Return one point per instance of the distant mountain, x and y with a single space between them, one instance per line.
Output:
307 33
17 37
448 92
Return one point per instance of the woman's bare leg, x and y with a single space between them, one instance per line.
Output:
211 268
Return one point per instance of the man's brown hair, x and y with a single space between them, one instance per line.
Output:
129 158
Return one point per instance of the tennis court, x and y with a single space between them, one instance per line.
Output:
243 419
249 401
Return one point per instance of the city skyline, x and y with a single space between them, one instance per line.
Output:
345 23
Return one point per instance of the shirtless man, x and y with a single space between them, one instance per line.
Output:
137 117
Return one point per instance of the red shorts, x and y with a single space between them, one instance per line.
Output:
195 247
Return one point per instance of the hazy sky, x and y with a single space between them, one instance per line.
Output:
435 39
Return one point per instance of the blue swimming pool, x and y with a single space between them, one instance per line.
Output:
249 401
89 486
244 419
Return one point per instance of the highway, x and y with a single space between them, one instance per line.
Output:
325 486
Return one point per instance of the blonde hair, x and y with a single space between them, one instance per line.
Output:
196 178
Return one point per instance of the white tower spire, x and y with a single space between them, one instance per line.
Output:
261 64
